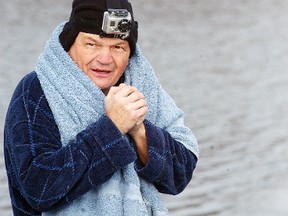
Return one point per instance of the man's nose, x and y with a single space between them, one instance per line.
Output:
105 56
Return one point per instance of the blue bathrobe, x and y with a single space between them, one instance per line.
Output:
92 169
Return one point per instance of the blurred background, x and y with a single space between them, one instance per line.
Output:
225 64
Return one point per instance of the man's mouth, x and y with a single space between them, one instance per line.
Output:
101 73
101 70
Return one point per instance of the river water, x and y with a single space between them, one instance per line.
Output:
225 64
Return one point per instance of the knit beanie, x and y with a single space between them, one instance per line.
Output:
87 16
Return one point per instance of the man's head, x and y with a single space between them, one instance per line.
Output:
102 56
87 16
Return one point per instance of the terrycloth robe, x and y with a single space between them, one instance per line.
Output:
77 102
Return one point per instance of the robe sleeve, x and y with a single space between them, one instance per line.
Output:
170 165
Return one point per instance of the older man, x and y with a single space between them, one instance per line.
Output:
91 131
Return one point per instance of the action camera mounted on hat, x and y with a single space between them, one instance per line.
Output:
116 22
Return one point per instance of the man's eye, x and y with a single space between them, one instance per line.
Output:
119 48
91 44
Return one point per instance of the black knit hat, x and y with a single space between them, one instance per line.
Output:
87 16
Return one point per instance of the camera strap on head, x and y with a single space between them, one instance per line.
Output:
113 4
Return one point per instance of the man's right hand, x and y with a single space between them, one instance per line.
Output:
126 107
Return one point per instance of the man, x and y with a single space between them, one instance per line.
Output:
91 131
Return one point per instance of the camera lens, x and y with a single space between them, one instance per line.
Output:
124 25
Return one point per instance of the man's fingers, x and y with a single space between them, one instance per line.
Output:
141 112
138 104
125 91
140 120
135 96
116 89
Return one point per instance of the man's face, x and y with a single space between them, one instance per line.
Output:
104 60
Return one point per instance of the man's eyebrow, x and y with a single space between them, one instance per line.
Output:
90 38
119 43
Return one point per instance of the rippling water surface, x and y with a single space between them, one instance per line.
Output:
224 63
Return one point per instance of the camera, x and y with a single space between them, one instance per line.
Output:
117 22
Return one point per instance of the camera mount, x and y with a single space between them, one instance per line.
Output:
116 22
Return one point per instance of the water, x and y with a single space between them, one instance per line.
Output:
224 63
